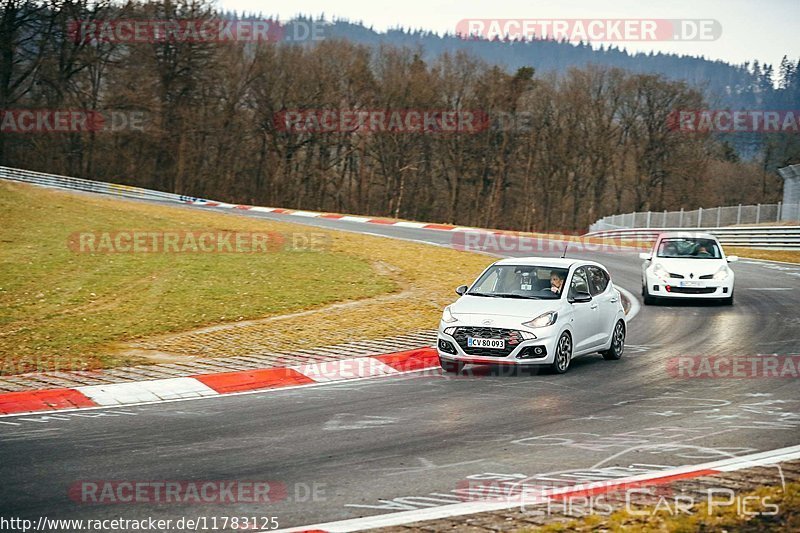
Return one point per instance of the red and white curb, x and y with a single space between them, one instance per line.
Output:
206 385
337 216
661 477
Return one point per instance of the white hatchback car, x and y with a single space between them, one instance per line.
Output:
687 265
533 311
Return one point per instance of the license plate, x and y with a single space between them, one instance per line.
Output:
691 283
477 342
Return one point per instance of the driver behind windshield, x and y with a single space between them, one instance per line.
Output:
557 278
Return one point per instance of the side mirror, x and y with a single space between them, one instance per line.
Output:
647 256
733 258
461 289
580 298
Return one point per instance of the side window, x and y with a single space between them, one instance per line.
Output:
598 280
579 283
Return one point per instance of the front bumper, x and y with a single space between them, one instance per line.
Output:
539 350
703 288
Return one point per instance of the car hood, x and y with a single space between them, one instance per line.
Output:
512 307
698 267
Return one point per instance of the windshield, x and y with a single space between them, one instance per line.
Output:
514 281
689 248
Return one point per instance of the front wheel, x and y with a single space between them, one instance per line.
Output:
617 343
648 300
563 354
451 366
728 300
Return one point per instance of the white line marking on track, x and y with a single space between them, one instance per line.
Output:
459 509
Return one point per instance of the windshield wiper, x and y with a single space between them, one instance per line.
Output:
487 295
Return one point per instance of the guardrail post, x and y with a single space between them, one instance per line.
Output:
739 215
719 212
664 221
778 217
680 219
648 220
699 216
758 213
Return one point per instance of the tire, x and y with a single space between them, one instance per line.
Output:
617 343
563 354
648 300
728 300
451 366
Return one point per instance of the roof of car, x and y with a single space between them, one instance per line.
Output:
691 234
549 262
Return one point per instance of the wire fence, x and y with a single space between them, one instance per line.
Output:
715 217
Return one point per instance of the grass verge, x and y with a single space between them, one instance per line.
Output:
61 309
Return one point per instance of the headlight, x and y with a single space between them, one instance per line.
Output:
447 316
722 273
660 272
542 321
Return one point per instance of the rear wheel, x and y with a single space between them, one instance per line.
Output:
617 343
563 354
451 366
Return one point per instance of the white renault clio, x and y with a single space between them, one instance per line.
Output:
533 311
687 265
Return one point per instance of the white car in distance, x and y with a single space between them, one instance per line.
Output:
533 311
687 265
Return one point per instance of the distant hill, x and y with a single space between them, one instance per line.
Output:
726 86
750 85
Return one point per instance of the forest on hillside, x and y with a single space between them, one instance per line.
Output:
596 138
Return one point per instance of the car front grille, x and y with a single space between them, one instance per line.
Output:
511 336
673 275
692 290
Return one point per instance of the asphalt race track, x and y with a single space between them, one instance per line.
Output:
384 445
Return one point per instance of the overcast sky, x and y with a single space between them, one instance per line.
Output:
765 30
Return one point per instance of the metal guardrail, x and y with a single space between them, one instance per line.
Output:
79 184
765 237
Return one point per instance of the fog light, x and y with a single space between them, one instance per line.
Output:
725 290
447 347
532 352
655 288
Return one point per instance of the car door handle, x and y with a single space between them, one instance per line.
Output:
614 300
593 306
